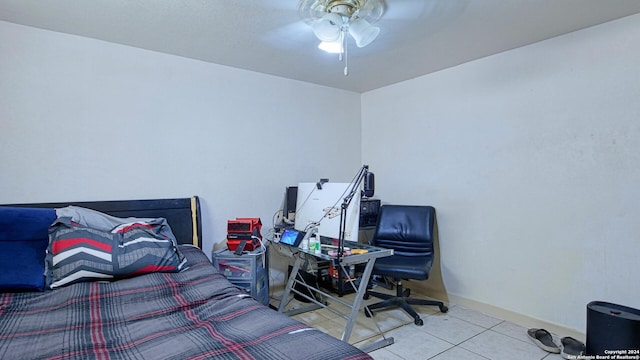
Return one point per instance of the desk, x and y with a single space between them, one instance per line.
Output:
367 258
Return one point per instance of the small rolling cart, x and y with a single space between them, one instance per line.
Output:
249 271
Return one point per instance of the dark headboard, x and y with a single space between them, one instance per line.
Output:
183 214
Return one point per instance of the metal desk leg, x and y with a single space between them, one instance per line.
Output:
292 277
362 289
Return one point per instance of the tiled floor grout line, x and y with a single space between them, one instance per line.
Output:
474 336
504 334
515 338
485 329
442 352
452 344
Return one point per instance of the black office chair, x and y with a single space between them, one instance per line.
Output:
409 231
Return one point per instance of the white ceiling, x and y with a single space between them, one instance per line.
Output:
417 36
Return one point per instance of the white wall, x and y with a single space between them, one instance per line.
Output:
82 119
532 159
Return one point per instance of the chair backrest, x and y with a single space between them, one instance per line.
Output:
407 229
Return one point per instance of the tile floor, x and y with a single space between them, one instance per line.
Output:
460 334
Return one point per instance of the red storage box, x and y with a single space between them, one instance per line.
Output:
244 229
251 244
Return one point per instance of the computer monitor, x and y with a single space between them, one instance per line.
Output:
323 206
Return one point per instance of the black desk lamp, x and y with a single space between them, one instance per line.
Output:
355 189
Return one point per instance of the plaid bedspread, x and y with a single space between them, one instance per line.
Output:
194 314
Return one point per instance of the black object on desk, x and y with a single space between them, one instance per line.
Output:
336 280
369 210
240 247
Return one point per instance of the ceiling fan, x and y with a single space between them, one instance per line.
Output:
389 24
333 20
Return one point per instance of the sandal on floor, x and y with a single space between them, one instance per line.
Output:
571 348
544 340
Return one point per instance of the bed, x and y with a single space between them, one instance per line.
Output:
193 313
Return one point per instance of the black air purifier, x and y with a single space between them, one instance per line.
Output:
612 327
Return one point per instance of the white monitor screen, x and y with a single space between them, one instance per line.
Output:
323 205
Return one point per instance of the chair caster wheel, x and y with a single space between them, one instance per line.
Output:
366 296
418 322
368 313
444 309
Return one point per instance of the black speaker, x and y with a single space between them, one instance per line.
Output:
369 184
291 198
369 210
612 327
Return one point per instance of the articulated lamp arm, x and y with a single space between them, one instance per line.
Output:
355 190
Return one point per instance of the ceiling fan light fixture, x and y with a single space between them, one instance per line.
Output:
331 20
328 27
332 47
370 10
363 32
344 8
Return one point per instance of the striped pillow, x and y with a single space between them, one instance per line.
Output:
80 253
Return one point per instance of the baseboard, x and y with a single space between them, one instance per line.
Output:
514 317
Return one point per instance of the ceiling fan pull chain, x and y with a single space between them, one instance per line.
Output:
346 55
341 53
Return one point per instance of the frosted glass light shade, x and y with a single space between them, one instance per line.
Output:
332 47
328 28
362 32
